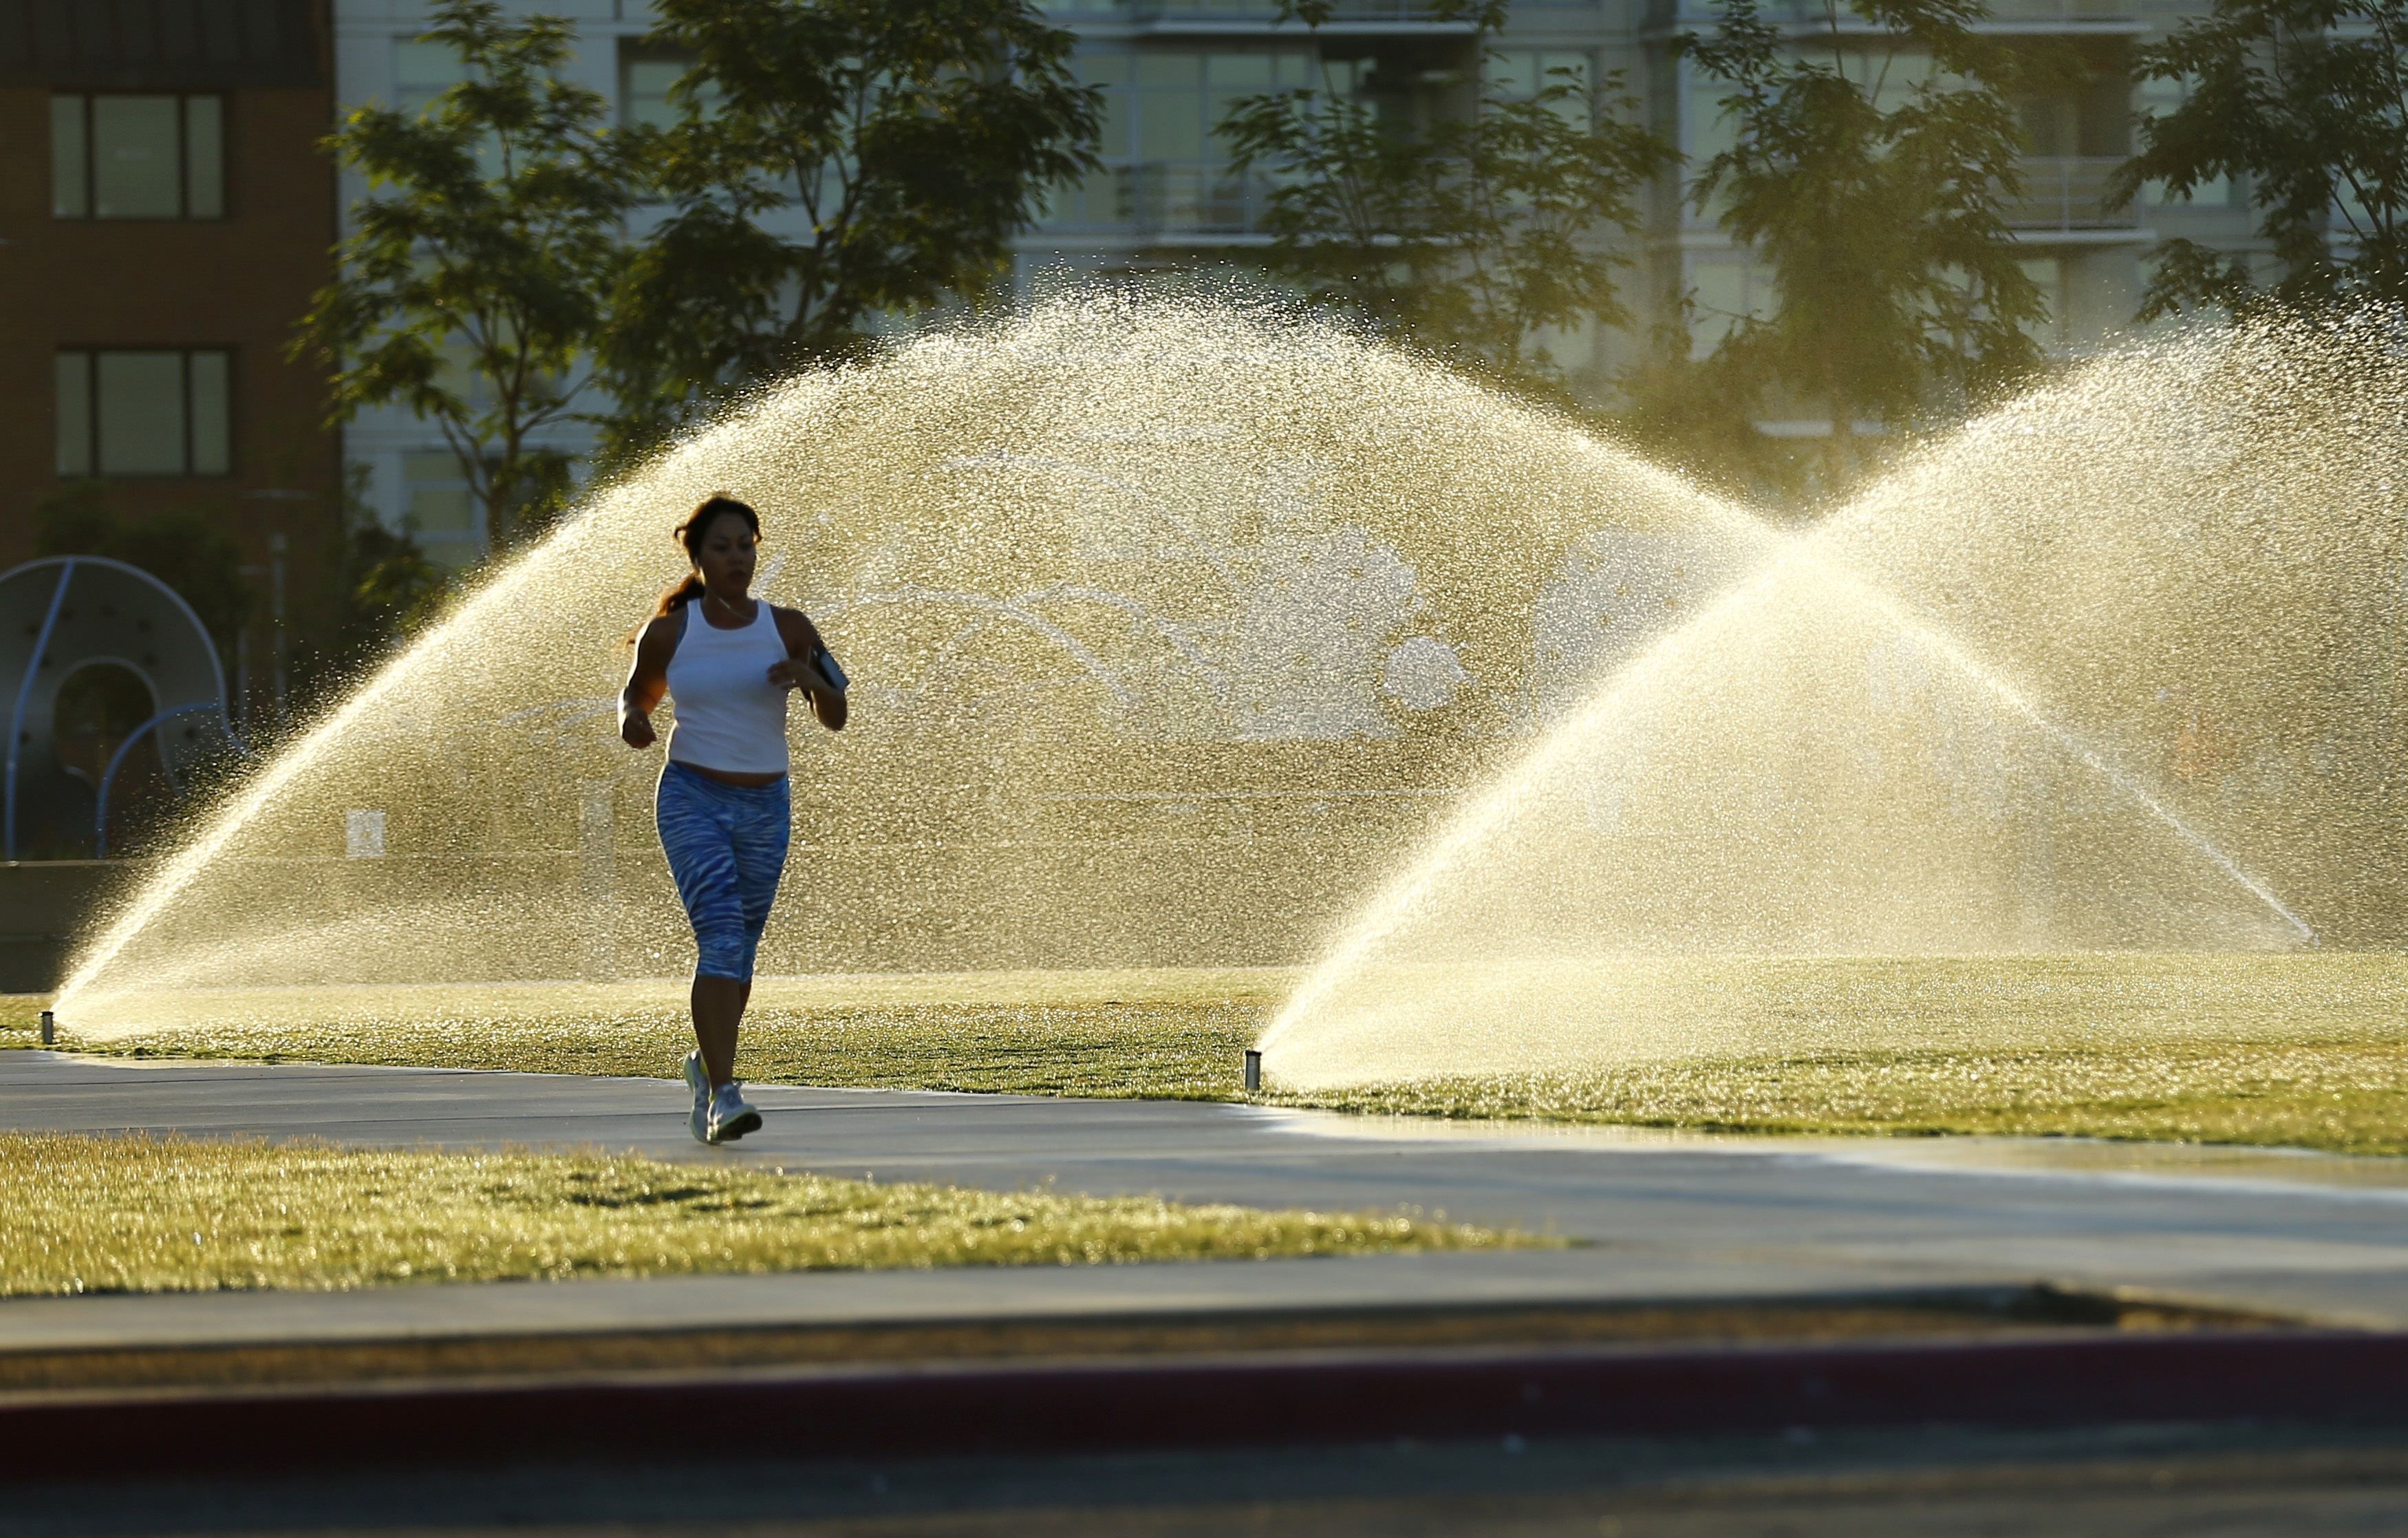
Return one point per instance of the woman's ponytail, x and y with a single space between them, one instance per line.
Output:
679 597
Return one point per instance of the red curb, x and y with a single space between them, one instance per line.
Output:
1059 1409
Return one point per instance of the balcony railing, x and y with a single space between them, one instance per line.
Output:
2069 13
1141 12
1155 198
2071 194
1158 198
2005 15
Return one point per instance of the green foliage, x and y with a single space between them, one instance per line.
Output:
915 138
477 274
1470 233
1884 224
395 590
2308 101
1699 413
390 589
2302 1049
191 551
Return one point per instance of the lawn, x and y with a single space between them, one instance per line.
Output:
144 1213
2307 1050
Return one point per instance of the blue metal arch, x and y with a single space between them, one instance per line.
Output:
10 768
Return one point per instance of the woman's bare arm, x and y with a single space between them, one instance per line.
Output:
647 681
801 671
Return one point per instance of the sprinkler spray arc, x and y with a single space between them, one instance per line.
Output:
1381 924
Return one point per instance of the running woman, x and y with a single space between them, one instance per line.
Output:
728 660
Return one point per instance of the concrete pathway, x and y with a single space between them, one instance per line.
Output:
1667 1217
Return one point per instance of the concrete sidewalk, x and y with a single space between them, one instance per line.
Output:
1666 1218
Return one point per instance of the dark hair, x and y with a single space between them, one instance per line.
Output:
691 534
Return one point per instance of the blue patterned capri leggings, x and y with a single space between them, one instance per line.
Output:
727 846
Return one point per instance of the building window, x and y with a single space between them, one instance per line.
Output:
145 412
1724 295
647 75
421 72
2160 99
137 157
1520 74
1164 166
444 517
2048 333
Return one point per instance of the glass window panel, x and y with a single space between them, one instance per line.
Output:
1554 67
1513 72
1100 198
1113 127
212 414
1169 69
204 157
1170 125
421 72
443 514
74 412
1577 63
1709 130
442 511
646 82
1290 71
1718 297
135 170
2043 125
141 414
2048 275
644 96
1104 68
1230 78
1245 71
1891 79
71 191
1110 70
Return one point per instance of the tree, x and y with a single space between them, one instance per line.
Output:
914 138
388 589
1471 233
471 291
1885 226
1700 413
2307 101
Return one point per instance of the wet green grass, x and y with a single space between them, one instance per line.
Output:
178 1215
1154 1034
2307 1051
2339 1097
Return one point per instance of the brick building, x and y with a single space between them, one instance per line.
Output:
165 218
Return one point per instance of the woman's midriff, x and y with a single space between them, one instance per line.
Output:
732 777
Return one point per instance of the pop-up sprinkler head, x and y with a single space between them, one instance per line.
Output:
1254 1068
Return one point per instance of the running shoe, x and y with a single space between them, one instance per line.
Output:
730 1117
698 1080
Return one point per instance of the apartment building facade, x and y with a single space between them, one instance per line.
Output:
1166 199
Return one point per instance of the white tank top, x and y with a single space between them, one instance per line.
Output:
729 715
